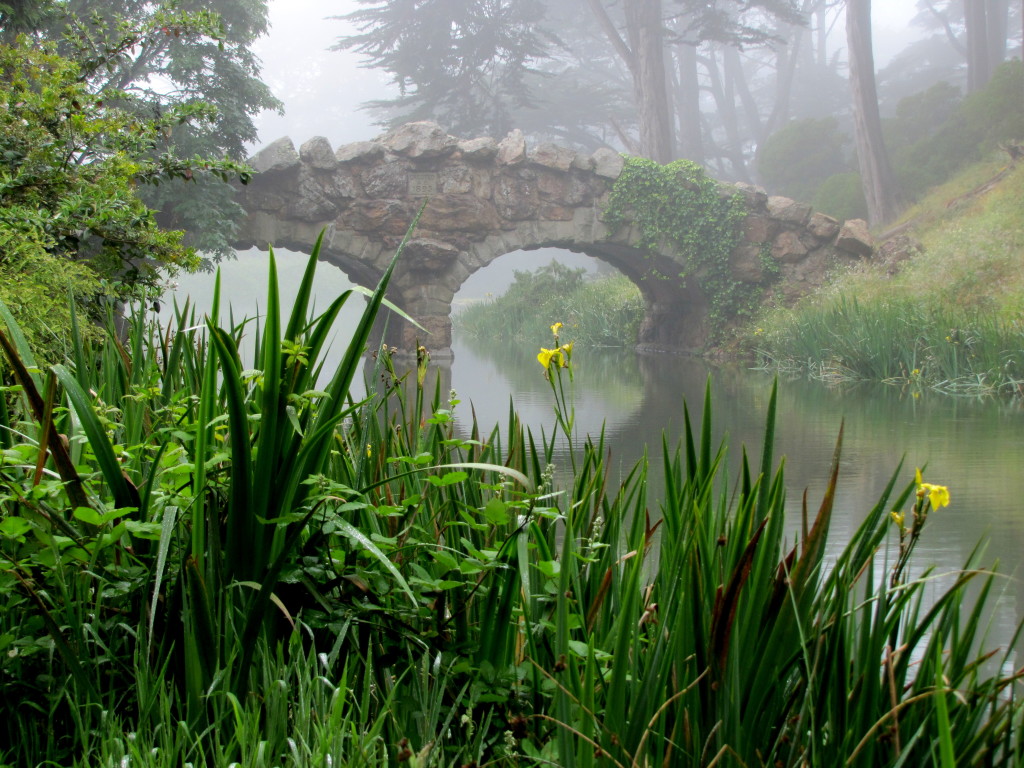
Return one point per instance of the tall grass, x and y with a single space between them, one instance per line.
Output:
903 342
208 563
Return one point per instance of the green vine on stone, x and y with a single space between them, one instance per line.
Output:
679 206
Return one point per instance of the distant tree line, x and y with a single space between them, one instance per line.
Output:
707 81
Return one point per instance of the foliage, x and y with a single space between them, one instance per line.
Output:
951 319
70 166
153 58
209 565
464 64
605 312
679 207
797 159
841 196
936 133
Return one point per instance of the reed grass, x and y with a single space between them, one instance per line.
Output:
210 561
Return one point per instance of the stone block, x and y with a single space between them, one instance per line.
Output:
608 163
277 157
554 212
553 185
512 149
389 180
759 229
789 211
756 198
478 149
516 198
360 151
318 153
583 162
459 213
552 156
456 180
787 247
316 198
382 217
419 140
855 237
428 253
823 227
745 263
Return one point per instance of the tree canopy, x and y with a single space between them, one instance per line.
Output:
154 57
77 151
463 63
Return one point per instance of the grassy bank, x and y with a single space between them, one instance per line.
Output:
951 317
207 563
602 312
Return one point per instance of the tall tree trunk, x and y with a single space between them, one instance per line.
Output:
998 28
877 179
731 71
821 31
979 64
645 28
644 55
691 140
734 66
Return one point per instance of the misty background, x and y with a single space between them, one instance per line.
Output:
325 91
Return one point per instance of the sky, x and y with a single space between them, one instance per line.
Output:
322 89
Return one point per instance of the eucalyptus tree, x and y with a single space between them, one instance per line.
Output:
980 31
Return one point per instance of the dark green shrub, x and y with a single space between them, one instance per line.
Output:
934 134
841 196
797 159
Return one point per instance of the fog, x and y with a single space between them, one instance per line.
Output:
324 90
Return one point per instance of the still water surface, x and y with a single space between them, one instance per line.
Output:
975 447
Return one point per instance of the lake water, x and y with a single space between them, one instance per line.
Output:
975 447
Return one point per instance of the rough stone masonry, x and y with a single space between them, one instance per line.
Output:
485 198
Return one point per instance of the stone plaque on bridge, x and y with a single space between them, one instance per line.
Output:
422 184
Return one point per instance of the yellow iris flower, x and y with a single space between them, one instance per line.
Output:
938 495
555 329
546 355
560 356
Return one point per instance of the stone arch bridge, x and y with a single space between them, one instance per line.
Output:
487 198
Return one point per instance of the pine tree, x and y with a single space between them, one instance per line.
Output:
464 64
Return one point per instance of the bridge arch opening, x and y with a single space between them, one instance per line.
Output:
598 304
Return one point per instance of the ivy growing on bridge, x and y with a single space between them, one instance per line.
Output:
679 206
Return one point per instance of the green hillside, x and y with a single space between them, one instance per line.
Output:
941 305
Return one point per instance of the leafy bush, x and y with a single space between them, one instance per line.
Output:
932 136
71 218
